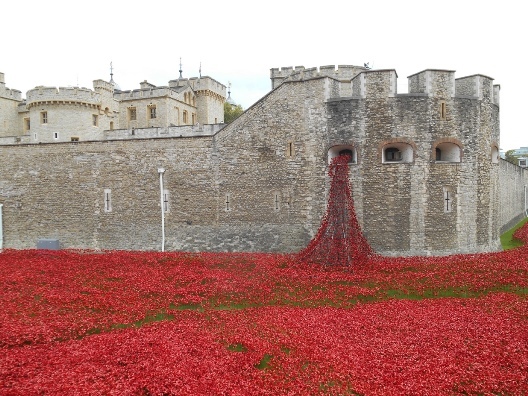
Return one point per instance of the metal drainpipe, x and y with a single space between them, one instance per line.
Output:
161 171
1 228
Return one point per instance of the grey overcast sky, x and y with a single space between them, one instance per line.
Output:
70 43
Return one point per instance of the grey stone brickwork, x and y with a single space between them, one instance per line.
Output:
261 184
513 185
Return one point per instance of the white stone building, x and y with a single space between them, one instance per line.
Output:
50 114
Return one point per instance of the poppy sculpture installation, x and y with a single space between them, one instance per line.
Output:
339 240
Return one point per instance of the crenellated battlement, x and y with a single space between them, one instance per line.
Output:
62 95
204 83
103 85
433 82
8 93
144 93
375 83
360 82
478 86
297 73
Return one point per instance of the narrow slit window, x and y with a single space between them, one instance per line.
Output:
289 149
107 200
276 201
443 110
227 202
166 201
448 200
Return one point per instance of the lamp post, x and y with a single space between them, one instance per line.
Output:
161 171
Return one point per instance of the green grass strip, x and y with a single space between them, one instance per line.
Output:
507 240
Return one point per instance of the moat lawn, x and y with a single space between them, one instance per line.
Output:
136 323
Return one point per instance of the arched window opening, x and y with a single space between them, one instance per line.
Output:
447 152
341 150
494 155
397 153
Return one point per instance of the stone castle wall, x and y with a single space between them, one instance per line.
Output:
58 191
513 199
260 183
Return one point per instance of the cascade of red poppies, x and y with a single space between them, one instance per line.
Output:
339 240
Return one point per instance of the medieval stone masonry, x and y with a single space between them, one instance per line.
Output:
64 114
83 166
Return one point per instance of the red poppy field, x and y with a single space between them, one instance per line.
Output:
131 323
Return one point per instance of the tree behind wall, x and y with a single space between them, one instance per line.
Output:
511 157
231 112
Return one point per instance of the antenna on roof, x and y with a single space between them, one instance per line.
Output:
200 70
229 99
367 66
111 73
180 68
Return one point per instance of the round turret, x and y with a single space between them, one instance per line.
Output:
63 114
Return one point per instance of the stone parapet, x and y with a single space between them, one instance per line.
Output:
62 95
8 93
177 131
